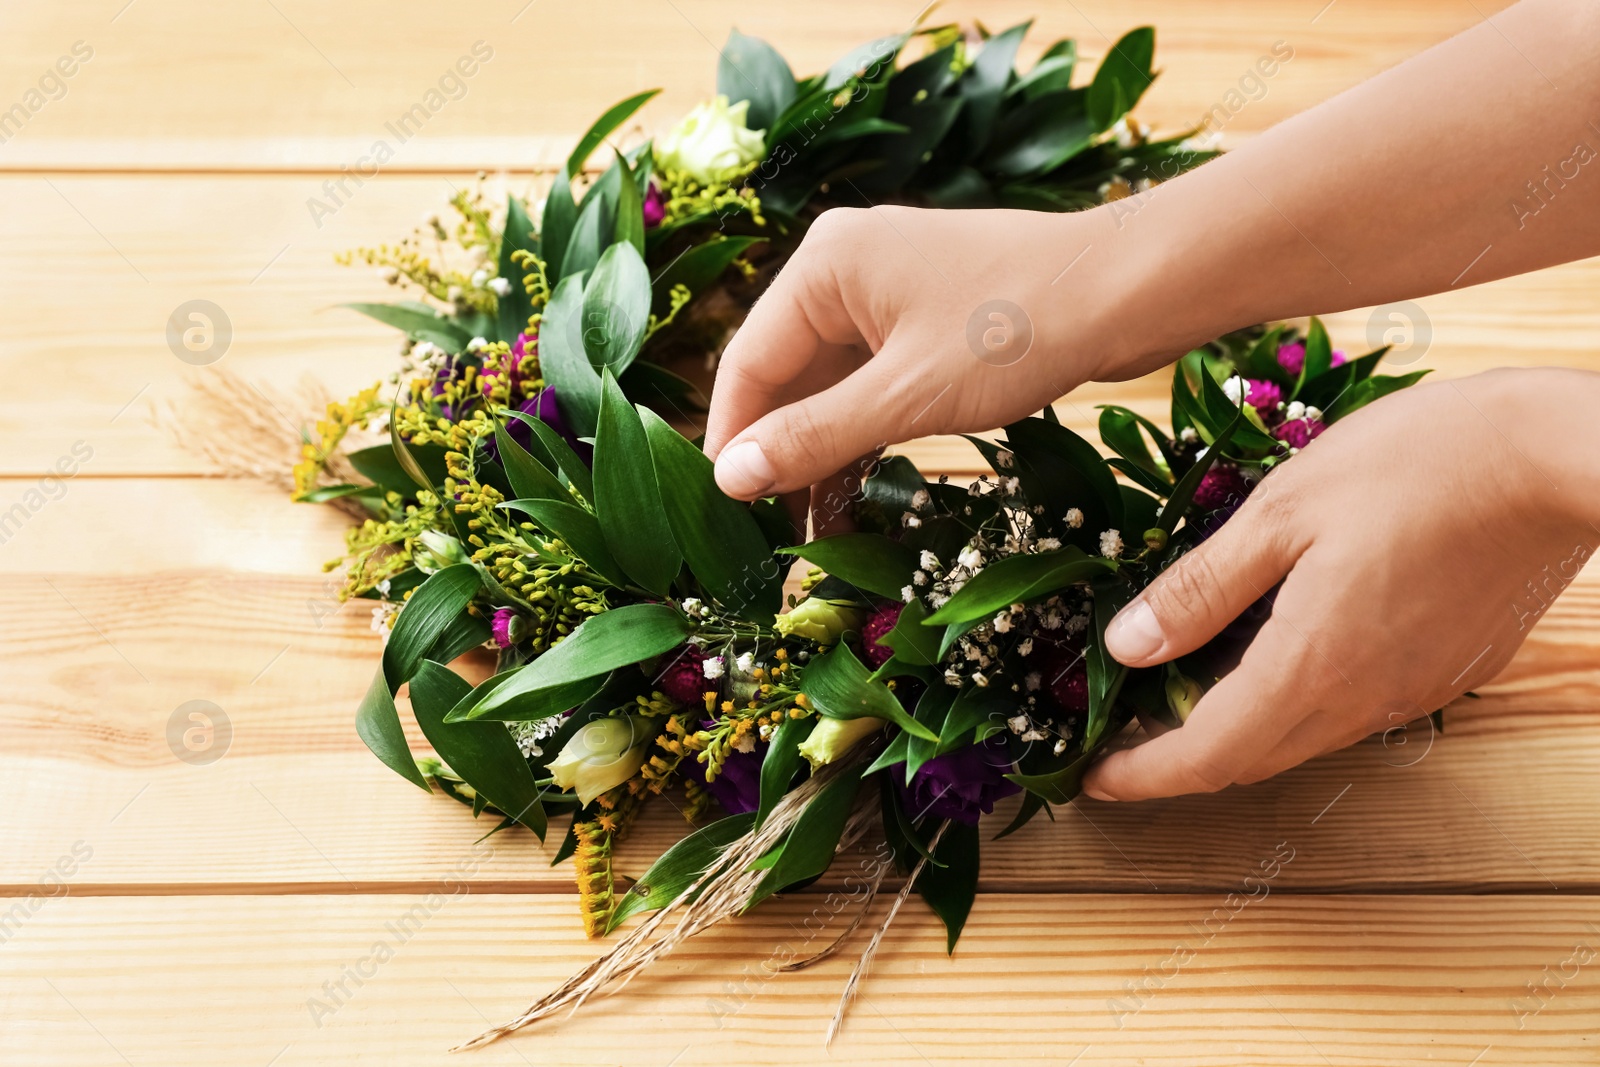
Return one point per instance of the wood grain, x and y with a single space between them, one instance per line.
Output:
219 598
134 248
300 85
1191 981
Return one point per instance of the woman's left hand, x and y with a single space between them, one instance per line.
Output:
1417 542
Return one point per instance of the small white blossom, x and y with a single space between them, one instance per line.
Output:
1313 413
692 607
1188 435
1005 460
970 558
746 743
1061 746
380 620
477 344
712 668
745 662
911 521
479 277
907 593
938 600
1052 620
383 588
500 286
919 578
1236 389
1026 647
1295 410
920 499
1033 680
952 677
1018 723
1074 518
765 730
1111 544
1035 735
1010 486
1048 544
1002 623
980 679
929 561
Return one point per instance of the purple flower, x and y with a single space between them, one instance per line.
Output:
655 207
1338 359
544 407
1297 433
959 785
501 626
683 677
1264 396
876 628
1292 356
738 786
1221 486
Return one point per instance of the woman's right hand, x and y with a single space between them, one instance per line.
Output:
892 323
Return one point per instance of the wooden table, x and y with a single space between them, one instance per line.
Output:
1439 906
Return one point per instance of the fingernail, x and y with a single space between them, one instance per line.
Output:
1095 794
744 471
1135 634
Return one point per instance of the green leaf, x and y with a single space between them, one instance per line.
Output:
1221 410
615 638
528 476
483 753
896 751
809 847
1106 675
751 69
1120 430
579 529
404 457
1319 356
699 267
383 467
431 609
866 560
1018 578
420 324
983 84
616 308
1057 786
590 235
870 60
627 501
911 641
950 883
629 228
514 308
615 116
555 231
378 726
724 546
679 867
840 687
1041 135
973 707
464 633
1059 469
1051 74
1031 805
563 361
781 762
1365 392
1183 493
933 707
576 471
1123 77
525 707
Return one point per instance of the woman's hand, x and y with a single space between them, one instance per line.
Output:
1417 542
894 322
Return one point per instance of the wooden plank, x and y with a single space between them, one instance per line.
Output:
134 249
301 85
213 594
1192 981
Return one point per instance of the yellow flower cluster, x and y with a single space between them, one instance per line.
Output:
381 549
342 417
686 198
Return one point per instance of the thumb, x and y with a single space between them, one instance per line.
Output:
802 443
1207 588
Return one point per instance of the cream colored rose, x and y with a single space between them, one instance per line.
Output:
820 620
711 142
601 756
832 738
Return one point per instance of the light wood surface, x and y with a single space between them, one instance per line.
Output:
1442 887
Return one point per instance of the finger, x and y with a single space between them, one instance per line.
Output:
799 320
1233 728
806 441
1208 587
1315 735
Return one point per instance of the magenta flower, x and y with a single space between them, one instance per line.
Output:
655 207
1264 396
1221 486
683 676
1338 359
500 626
1297 433
960 785
1292 356
876 628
